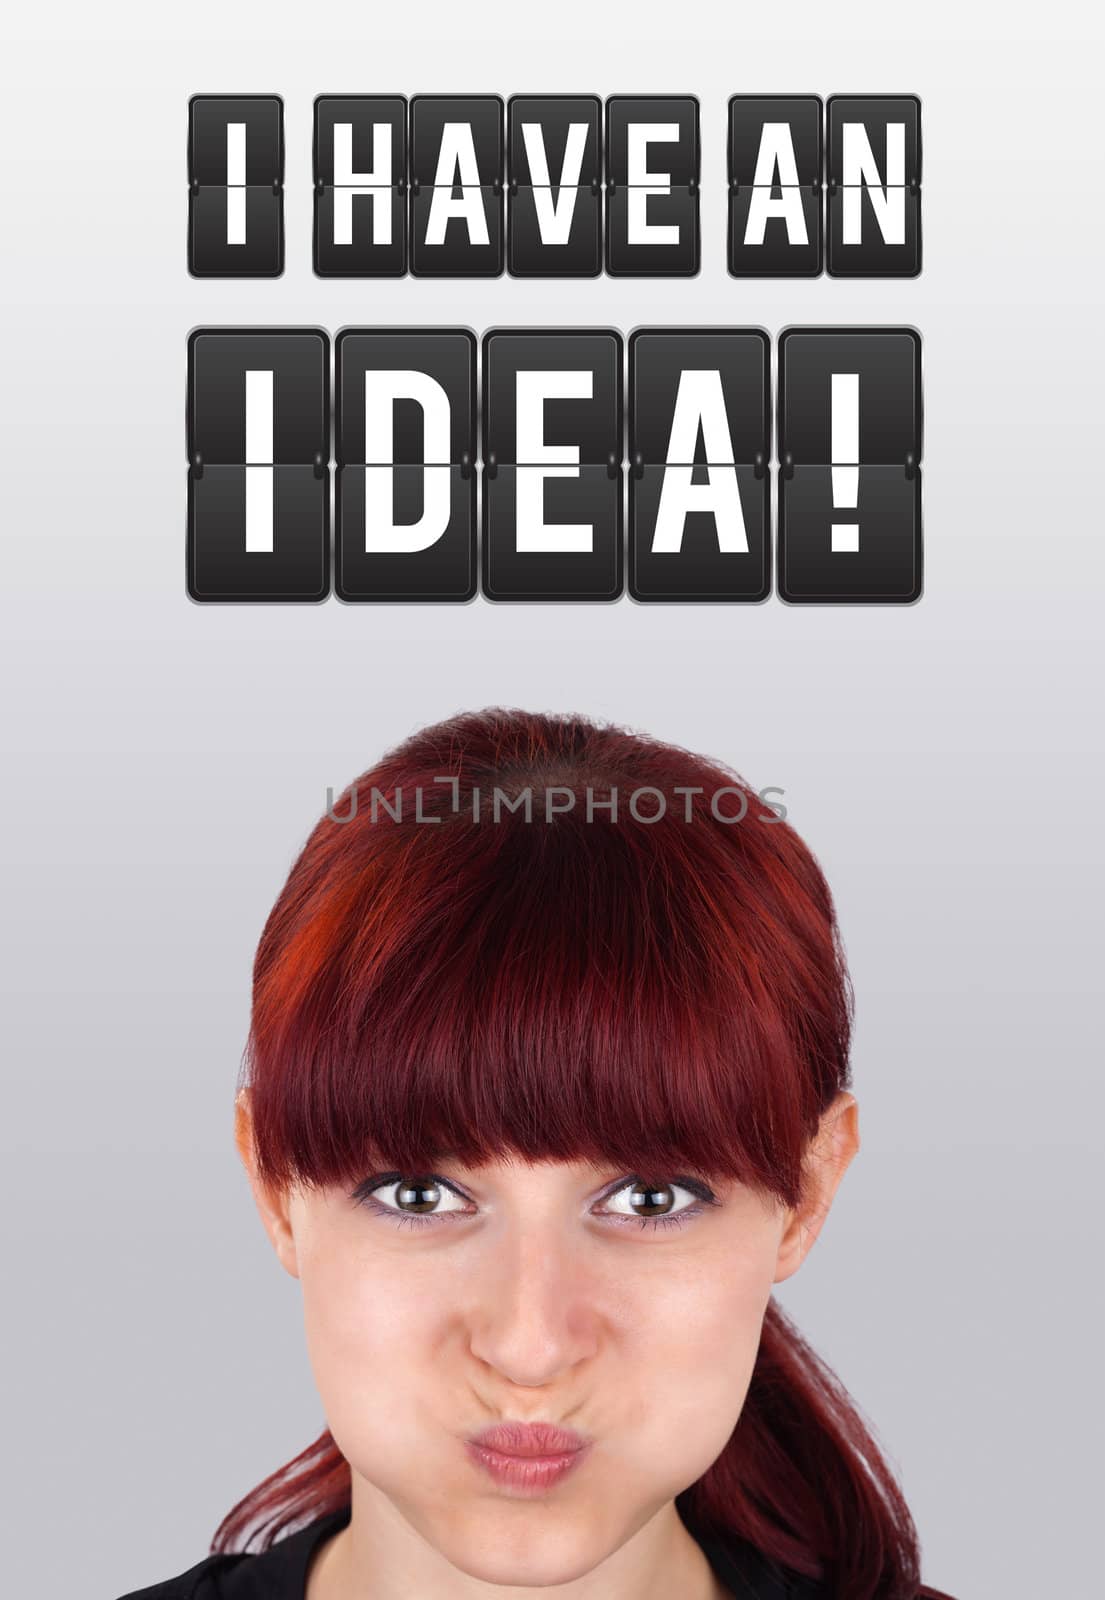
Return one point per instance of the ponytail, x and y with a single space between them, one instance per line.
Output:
804 1481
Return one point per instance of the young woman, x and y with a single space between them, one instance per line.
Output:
546 1086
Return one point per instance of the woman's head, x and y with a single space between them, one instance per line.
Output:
542 1099
565 984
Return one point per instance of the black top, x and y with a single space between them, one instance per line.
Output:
280 1573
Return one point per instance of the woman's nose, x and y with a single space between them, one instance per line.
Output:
535 1308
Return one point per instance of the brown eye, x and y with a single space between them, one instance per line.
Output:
416 1200
417 1196
651 1199
656 1205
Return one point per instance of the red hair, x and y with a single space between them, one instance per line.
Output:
659 994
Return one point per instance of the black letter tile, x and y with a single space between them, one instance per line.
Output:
874 186
652 177
552 440
258 421
850 422
406 481
554 173
360 161
236 186
456 203
775 160
699 488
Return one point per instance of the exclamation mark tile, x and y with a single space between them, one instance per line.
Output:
825 375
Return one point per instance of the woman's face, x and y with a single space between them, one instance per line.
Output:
535 1293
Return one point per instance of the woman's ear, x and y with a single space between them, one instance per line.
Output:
827 1159
272 1204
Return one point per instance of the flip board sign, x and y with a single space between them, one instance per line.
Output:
563 464
409 443
559 185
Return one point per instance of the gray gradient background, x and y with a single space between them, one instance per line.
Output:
165 761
